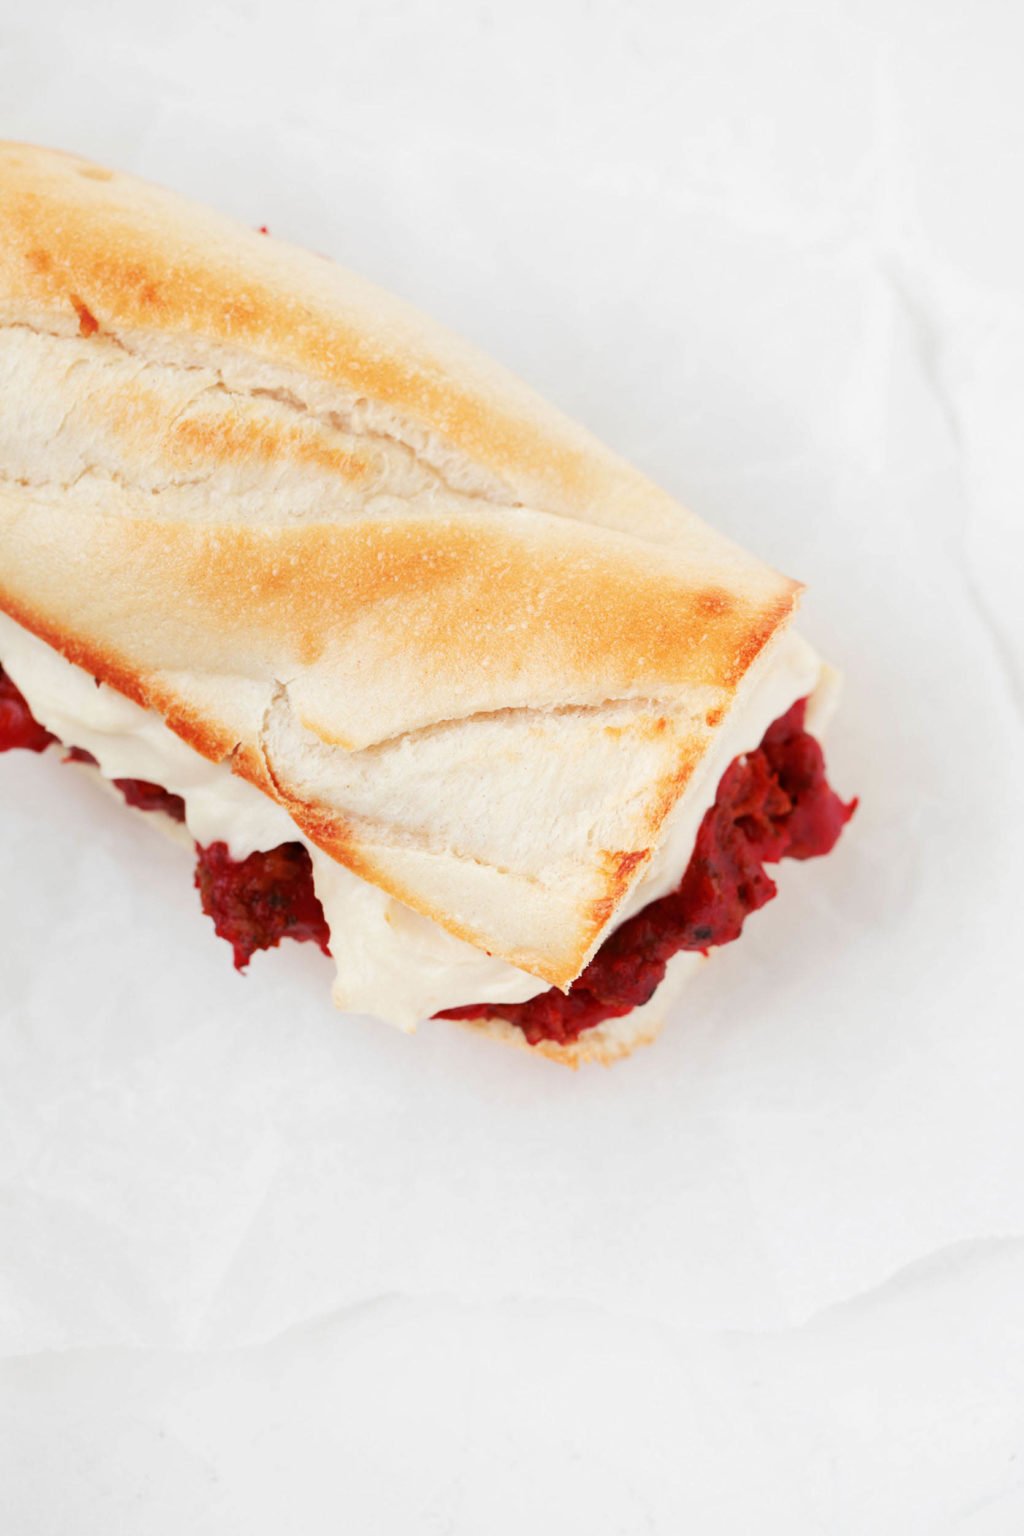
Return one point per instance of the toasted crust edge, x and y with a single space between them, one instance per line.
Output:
603 1045
606 1043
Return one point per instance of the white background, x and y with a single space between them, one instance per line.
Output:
264 1269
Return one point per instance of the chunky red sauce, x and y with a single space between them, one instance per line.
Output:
140 793
18 726
254 902
145 796
258 901
773 803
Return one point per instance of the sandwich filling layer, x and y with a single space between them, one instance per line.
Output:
761 795
772 803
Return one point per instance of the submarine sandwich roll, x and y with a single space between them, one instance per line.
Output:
420 671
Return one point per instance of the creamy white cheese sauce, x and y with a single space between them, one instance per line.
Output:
391 962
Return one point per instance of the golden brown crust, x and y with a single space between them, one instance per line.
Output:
248 487
141 260
72 237
134 257
606 619
611 1041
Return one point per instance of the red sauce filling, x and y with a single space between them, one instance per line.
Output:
140 793
258 901
18 726
773 803
254 902
151 797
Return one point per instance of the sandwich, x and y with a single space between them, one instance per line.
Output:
417 669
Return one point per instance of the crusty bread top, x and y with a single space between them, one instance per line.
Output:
476 655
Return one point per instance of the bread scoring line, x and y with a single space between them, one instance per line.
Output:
687 715
423 454
372 831
102 477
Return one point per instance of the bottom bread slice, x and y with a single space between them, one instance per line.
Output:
604 1044
771 803
615 1038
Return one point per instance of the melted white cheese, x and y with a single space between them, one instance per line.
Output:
391 962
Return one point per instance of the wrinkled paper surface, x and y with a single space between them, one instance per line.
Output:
763 259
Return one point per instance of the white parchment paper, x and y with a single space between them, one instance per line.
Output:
747 254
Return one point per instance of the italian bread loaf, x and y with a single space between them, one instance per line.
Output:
475 656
